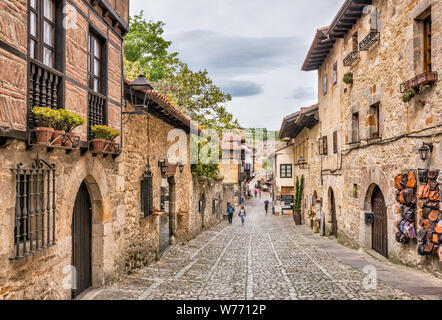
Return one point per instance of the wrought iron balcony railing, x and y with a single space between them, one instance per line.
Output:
351 58
425 78
369 41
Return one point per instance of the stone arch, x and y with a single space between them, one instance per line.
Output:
92 173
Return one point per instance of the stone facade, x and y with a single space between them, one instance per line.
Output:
378 135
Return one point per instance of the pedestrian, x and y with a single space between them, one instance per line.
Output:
242 214
230 211
266 206
256 193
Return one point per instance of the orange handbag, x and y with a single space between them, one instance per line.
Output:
412 182
397 182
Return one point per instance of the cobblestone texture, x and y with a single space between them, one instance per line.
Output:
265 259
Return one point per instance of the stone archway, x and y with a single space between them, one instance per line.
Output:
92 174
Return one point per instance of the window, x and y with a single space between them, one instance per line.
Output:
355 128
95 64
374 120
427 44
42 24
335 73
146 195
323 146
325 84
35 209
286 171
335 142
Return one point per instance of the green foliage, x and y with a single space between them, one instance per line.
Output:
146 51
145 44
70 121
299 194
348 78
211 171
46 117
105 132
408 95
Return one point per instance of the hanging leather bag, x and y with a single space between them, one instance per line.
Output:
433 216
429 246
433 185
421 191
421 249
434 196
404 181
397 182
433 205
409 196
422 235
409 214
400 196
411 180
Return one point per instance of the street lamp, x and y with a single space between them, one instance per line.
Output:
181 166
163 165
139 103
425 150
302 163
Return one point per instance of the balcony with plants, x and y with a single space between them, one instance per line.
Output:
54 129
103 141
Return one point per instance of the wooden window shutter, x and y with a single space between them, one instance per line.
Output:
146 196
325 146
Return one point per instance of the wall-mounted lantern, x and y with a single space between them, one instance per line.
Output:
425 151
302 163
140 98
163 166
181 167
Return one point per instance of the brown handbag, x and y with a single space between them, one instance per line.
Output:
434 196
433 185
400 197
432 174
409 196
427 224
397 182
421 191
412 182
429 247
433 215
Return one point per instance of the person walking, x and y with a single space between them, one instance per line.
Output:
242 214
230 211
256 193
266 206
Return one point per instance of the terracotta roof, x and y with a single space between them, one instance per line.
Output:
293 124
165 106
325 38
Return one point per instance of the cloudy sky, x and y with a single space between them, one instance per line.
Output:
253 49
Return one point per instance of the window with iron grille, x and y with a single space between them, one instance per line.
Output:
146 196
286 171
35 208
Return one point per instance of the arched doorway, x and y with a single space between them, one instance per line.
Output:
379 230
334 230
82 242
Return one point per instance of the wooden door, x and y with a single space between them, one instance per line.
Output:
82 241
379 231
333 213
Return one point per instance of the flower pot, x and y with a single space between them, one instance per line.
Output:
98 145
69 140
297 218
43 135
58 137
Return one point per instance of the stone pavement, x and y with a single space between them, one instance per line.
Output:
269 258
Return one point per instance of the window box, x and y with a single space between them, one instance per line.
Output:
104 147
65 140
425 78
369 41
351 58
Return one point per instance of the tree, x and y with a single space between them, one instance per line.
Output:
146 51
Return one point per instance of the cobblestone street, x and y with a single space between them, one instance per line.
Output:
266 259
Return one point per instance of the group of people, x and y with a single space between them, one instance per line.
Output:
242 212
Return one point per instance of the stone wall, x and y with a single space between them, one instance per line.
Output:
41 275
402 127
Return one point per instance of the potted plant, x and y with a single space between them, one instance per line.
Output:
59 129
45 118
101 134
408 95
112 135
71 121
348 78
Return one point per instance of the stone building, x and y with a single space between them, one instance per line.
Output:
60 205
302 129
371 124
164 202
